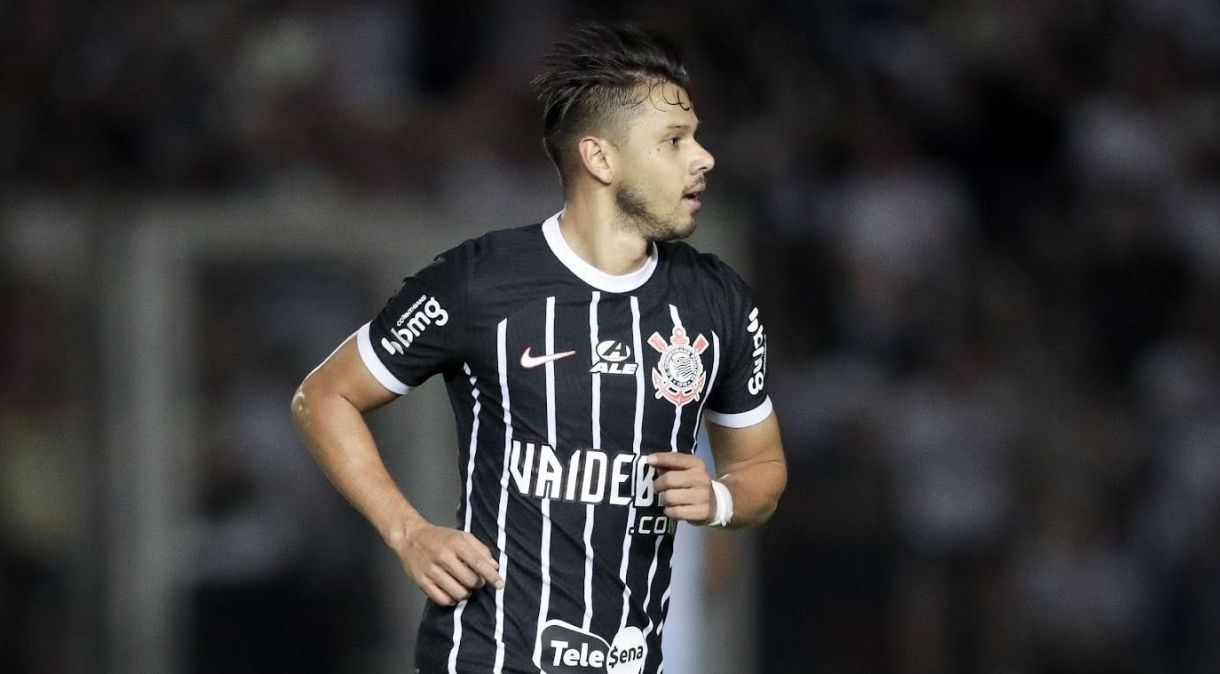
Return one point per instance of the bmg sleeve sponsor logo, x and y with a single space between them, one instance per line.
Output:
413 322
757 335
567 649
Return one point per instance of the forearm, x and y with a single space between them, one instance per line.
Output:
336 434
756 488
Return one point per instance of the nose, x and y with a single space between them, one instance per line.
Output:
704 161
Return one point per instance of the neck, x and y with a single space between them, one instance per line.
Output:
589 226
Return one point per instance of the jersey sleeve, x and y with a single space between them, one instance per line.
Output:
419 331
739 395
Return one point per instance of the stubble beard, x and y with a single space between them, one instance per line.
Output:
637 216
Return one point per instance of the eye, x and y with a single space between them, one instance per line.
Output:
674 141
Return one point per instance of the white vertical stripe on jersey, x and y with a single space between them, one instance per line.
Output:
652 573
545 552
550 374
502 364
474 443
661 626
673 447
597 443
707 391
665 600
635 446
673 437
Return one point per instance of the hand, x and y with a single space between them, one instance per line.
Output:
684 487
447 564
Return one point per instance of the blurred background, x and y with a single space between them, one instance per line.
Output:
985 235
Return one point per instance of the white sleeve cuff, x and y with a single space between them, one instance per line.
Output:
741 419
375 366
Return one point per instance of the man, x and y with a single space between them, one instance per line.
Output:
580 356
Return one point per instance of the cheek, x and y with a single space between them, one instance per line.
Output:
665 166
657 175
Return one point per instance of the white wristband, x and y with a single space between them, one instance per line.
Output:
724 505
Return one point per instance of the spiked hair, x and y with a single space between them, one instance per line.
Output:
594 74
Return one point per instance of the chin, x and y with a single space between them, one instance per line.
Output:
676 231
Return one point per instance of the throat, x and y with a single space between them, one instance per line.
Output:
610 249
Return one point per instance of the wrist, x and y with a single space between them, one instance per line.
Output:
722 505
400 533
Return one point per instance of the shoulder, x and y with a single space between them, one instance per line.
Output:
489 268
707 270
500 242
483 254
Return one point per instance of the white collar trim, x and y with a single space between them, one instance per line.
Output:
612 283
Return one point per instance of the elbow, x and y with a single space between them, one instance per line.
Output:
304 412
767 488
299 406
778 486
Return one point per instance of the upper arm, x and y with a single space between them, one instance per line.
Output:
735 448
738 397
345 375
418 333
422 329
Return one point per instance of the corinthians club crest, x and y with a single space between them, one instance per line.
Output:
679 377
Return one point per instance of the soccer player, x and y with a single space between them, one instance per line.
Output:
580 356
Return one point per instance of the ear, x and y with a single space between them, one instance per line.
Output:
597 157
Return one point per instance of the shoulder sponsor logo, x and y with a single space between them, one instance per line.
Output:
757 335
679 376
530 361
610 357
413 322
567 649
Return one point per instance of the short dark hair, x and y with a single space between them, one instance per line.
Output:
594 72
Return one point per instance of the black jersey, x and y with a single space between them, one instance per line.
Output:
562 378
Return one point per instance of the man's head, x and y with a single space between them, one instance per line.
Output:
617 117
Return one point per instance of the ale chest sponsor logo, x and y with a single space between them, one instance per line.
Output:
567 649
611 358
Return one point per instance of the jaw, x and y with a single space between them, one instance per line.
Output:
679 225
640 214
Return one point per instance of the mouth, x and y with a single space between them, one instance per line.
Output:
691 197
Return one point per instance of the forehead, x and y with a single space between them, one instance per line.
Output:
663 104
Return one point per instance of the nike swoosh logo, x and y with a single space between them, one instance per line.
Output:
528 361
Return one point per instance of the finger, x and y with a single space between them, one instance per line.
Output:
681 479
489 574
672 460
687 496
689 513
449 585
665 482
461 571
482 565
436 594
481 549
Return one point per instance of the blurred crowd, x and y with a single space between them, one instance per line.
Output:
985 235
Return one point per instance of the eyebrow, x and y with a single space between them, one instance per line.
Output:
681 126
